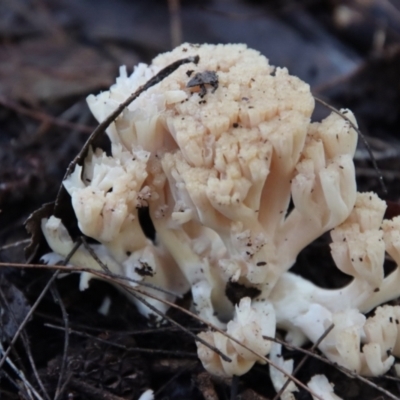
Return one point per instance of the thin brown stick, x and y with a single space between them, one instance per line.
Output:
183 369
366 144
144 284
117 332
303 360
43 117
172 321
27 317
68 378
101 275
58 299
33 365
29 388
391 378
121 346
4 374
15 244
150 331
94 255
35 305
22 390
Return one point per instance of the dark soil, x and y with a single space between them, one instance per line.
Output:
53 53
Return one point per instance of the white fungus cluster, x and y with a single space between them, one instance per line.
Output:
237 181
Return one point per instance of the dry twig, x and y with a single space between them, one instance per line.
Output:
303 360
58 299
182 370
14 244
121 346
30 390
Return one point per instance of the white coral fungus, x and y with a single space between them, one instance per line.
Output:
248 326
237 181
320 385
278 378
